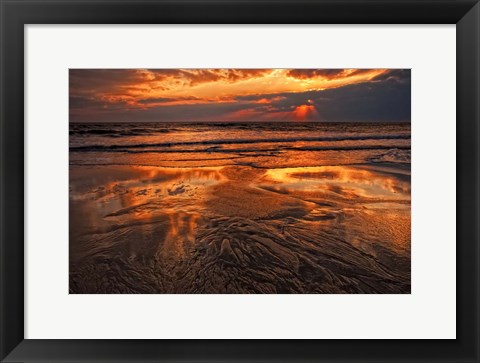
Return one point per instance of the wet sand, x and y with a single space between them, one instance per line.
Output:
240 229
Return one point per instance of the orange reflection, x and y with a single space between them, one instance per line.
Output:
344 180
180 233
135 197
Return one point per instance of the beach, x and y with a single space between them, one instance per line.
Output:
183 208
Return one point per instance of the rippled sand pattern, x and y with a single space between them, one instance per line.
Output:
240 229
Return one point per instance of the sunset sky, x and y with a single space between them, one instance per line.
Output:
118 95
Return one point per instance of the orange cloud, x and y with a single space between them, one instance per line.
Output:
193 86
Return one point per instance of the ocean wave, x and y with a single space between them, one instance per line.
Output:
219 143
249 150
393 155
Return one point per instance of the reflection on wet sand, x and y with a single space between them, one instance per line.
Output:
239 229
347 182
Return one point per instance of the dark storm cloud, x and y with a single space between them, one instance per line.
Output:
386 98
90 81
181 112
399 75
389 100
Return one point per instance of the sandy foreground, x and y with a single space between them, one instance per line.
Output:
238 229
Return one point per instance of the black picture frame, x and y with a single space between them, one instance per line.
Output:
15 14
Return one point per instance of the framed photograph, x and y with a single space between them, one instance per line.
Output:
240 181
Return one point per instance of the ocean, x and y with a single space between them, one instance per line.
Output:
259 144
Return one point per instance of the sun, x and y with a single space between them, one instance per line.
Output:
303 112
